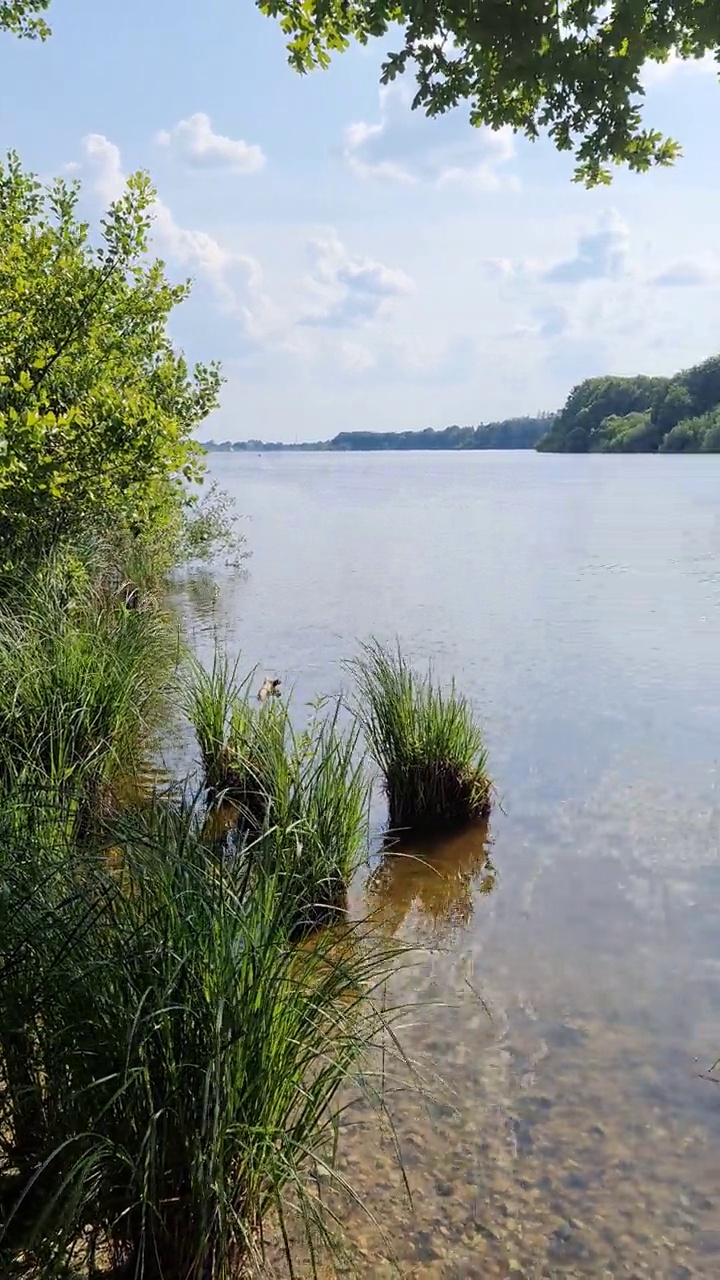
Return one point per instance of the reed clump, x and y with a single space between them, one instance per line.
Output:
424 740
171 1063
321 792
84 679
310 781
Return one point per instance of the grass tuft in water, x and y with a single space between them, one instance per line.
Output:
311 782
424 740
320 791
218 708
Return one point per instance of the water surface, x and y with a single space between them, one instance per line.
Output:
568 994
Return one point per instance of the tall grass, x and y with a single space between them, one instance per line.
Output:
424 740
83 678
172 1067
321 791
312 781
214 704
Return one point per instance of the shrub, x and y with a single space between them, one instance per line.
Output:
424 741
97 410
209 528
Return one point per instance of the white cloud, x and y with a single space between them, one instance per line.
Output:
688 273
196 143
548 322
349 291
405 147
229 273
601 254
658 72
501 268
103 160
356 359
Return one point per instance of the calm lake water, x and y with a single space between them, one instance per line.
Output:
568 990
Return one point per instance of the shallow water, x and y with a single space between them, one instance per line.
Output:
568 991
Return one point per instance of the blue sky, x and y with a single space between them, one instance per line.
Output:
358 266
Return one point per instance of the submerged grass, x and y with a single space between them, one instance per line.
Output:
424 740
172 1067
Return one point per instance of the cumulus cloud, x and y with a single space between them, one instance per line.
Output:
688 274
356 359
658 72
551 322
546 322
431 361
228 272
601 254
404 146
349 290
501 268
104 162
199 146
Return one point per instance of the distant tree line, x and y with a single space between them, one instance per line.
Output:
641 415
513 433
601 415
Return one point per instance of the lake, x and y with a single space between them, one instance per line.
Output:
567 995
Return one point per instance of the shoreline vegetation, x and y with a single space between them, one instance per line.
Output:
512 433
185 1003
187 1009
639 414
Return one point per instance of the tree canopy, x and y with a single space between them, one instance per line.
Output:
24 17
97 409
569 68
641 415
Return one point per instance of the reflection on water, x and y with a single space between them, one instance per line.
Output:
577 601
436 877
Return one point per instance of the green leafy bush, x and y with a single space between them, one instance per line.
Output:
97 410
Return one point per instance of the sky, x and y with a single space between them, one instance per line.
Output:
356 265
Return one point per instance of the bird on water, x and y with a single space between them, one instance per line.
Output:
269 689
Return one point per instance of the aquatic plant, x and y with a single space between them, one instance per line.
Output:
312 780
173 1069
424 740
211 698
322 792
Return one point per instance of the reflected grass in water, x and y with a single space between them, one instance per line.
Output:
437 876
